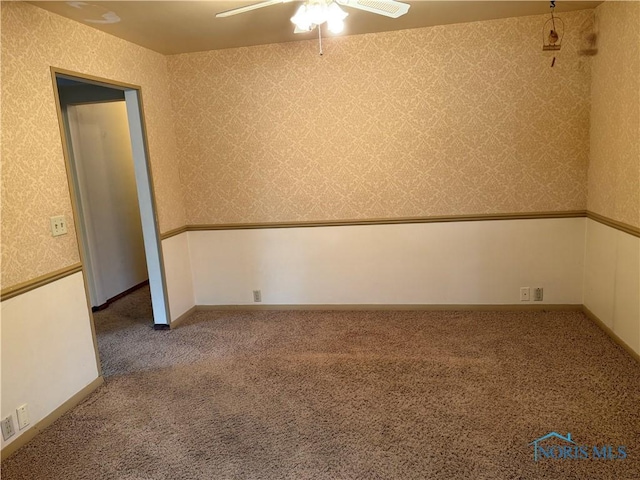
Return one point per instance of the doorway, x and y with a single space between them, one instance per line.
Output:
104 145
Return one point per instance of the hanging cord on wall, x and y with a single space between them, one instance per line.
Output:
320 38
552 6
554 33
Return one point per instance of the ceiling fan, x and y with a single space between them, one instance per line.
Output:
313 13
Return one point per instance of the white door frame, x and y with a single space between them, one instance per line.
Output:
144 183
146 200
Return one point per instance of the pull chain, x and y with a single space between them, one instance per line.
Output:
320 38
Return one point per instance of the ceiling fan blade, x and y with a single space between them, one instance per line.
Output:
388 8
248 8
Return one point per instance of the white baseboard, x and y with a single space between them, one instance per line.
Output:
390 307
591 316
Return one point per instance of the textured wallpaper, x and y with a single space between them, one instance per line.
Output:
614 168
34 182
448 120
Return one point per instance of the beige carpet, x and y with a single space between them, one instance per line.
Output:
344 395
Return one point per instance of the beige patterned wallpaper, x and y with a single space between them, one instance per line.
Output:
614 168
34 183
458 119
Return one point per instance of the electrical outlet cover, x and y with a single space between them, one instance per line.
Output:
23 416
8 429
538 294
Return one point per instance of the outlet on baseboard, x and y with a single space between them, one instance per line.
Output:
8 430
257 296
538 294
23 416
525 293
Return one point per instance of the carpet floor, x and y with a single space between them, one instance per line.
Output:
345 395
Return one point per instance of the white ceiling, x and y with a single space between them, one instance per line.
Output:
171 27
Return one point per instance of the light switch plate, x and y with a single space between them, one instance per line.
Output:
58 225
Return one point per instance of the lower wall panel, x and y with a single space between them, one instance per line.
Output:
612 280
479 262
177 268
48 352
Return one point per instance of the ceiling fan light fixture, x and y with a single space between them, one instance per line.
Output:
336 13
316 13
336 26
301 19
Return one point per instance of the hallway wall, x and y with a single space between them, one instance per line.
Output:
102 155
